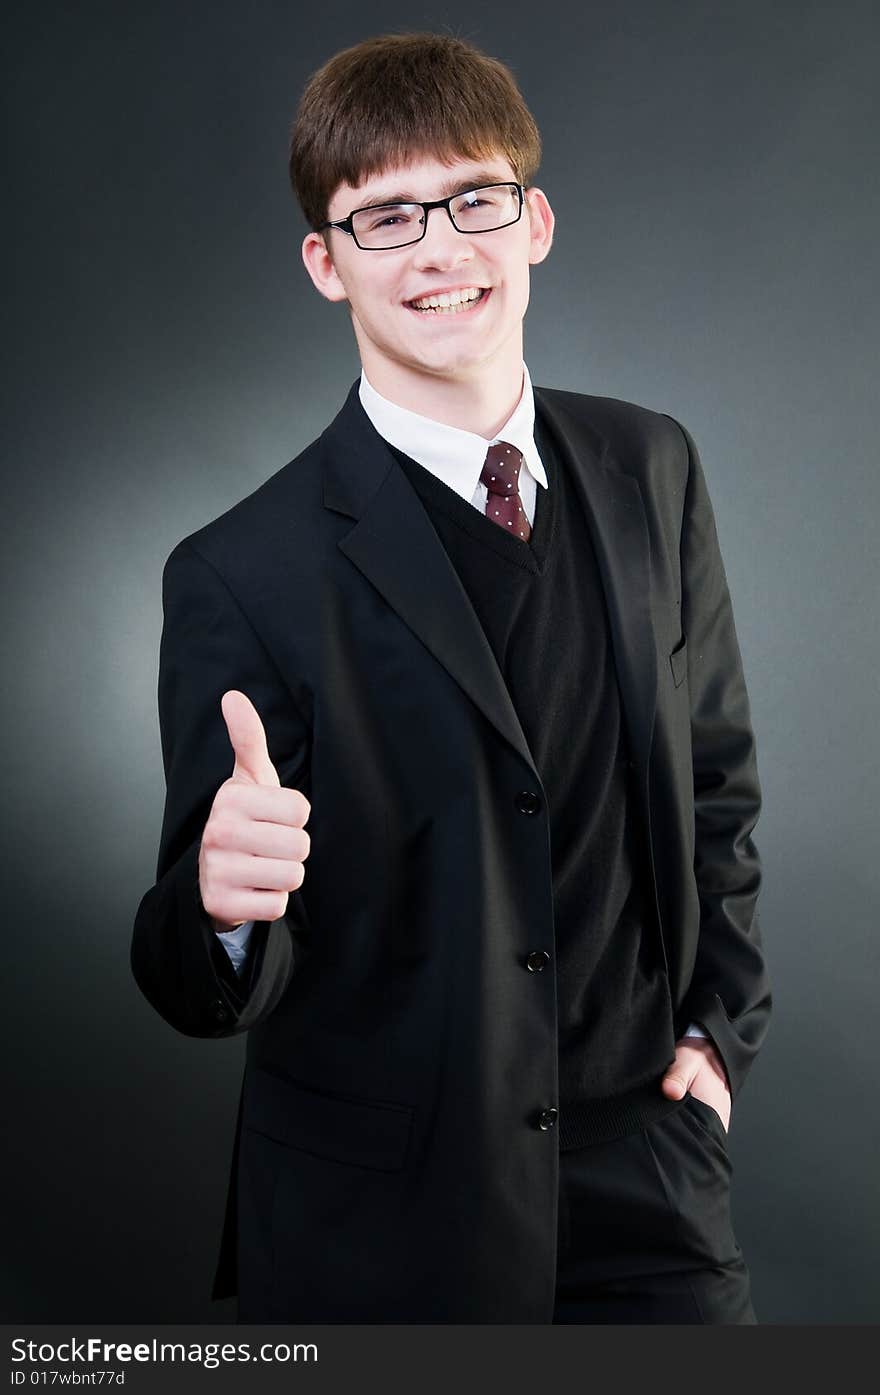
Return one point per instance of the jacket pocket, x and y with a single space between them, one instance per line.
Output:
339 1127
678 662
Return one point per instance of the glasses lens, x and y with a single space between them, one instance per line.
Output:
478 210
388 226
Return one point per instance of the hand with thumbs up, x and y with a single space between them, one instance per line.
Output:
254 844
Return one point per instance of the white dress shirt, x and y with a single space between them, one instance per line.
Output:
457 457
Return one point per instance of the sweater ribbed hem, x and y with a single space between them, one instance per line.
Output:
584 1122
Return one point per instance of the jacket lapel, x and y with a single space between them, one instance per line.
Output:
615 512
394 545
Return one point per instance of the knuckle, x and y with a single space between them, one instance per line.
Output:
212 903
209 835
222 830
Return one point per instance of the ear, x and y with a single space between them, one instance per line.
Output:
542 221
319 265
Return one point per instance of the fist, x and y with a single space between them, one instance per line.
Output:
254 843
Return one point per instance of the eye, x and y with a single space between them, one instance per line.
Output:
389 217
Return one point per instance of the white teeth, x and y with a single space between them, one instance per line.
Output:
450 302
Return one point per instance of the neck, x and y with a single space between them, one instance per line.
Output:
481 402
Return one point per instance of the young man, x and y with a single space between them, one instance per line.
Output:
501 992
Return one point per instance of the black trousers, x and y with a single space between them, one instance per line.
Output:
645 1231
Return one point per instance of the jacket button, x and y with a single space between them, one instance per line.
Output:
547 1118
536 960
219 1011
528 802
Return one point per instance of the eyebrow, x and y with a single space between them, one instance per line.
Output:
452 186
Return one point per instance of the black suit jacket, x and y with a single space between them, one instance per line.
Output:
388 1166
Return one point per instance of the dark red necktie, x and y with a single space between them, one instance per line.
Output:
500 475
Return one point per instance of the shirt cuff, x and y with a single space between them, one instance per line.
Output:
235 942
696 1031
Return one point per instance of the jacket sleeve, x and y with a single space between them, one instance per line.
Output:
729 993
207 647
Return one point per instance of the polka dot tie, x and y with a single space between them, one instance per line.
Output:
500 475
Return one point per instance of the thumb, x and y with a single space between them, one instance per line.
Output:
677 1080
248 739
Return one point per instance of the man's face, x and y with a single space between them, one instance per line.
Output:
395 338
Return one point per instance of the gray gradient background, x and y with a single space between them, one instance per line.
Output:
709 166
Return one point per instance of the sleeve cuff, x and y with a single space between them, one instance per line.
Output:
235 942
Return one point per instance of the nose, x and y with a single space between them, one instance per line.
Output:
442 245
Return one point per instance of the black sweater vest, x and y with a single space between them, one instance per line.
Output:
541 604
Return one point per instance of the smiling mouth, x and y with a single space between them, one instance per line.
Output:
461 309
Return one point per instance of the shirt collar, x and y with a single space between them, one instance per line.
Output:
455 456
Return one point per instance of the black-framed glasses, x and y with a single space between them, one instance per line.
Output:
383 226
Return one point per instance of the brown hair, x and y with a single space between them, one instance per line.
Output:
395 98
